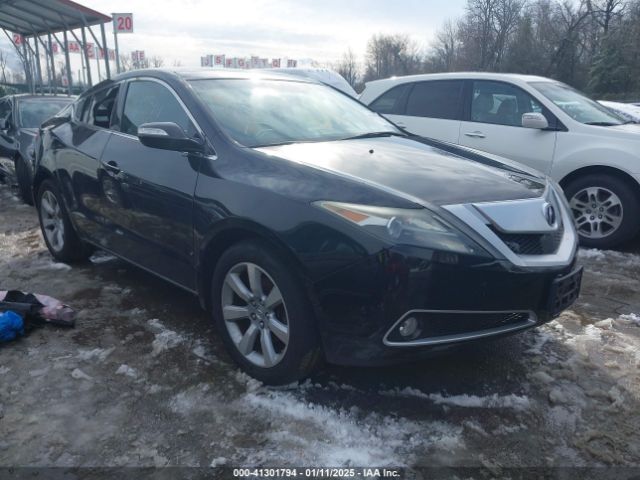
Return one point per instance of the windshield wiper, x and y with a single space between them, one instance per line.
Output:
629 121
376 135
602 124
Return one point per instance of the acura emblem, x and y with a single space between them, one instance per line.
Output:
549 213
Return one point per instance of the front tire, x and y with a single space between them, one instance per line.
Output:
23 174
59 235
606 210
264 315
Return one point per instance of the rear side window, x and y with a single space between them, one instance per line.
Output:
390 102
436 99
149 101
98 108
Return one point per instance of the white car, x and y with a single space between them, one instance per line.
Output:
628 111
591 151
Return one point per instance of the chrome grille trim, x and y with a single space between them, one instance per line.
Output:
483 225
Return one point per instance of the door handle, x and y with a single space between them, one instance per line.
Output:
475 134
112 167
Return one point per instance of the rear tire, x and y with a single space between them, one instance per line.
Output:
269 328
606 210
23 175
59 235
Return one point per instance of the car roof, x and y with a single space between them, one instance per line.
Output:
204 73
463 76
31 96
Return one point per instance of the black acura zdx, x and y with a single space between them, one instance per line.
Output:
311 227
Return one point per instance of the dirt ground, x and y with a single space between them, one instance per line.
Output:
143 380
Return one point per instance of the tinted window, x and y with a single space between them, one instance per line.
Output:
5 110
32 113
267 112
149 101
390 101
436 99
98 108
501 103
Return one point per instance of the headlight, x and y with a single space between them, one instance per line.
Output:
417 227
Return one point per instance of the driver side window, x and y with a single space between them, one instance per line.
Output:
149 101
501 104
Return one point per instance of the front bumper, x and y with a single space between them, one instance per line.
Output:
360 306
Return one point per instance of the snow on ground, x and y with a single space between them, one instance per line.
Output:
143 379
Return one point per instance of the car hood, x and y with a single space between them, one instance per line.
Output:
627 128
415 170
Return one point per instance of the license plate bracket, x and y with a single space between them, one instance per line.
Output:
564 291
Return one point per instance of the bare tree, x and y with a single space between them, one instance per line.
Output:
348 67
3 65
389 55
126 63
156 61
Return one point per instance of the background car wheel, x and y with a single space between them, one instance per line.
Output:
264 315
24 180
606 210
58 232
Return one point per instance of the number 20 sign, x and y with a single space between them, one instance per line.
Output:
123 22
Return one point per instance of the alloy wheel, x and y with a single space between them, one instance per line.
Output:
255 314
52 221
597 212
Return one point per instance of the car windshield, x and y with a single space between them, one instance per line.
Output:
33 113
271 112
576 105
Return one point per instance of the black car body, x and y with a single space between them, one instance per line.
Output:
20 118
340 223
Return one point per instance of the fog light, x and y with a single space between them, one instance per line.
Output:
408 327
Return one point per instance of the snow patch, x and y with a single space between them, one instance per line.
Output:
100 354
165 339
511 401
127 371
218 462
339 438
591 253
80 375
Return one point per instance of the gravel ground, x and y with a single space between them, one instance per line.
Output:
143 380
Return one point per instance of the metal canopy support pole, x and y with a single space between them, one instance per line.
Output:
86 56
27 65
99 46
53 65
105 50
38 66
115 41
67 61
46 52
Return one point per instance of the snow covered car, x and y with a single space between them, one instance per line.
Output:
628 111
591 151
20 117
314 231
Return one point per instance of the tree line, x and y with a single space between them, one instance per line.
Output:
593 45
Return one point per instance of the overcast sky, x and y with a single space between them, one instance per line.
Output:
321 30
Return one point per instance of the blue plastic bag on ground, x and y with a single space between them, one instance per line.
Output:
11 325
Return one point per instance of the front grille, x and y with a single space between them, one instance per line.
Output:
441 326
532 243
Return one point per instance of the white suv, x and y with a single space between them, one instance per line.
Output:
592 152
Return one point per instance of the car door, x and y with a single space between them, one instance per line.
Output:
152 189
430 108
493 123
77 146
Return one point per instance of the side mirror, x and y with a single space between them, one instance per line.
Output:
534 120
168 136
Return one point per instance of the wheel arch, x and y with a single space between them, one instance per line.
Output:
601 169
231 233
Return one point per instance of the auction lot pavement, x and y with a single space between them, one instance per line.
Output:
143 380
